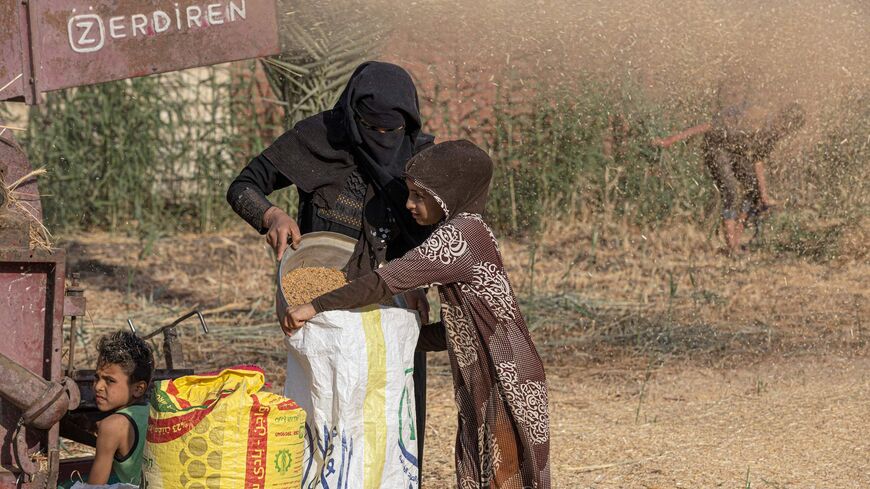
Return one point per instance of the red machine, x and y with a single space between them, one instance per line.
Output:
49 45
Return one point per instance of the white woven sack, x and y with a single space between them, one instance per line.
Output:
351 371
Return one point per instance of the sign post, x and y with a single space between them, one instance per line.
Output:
55 44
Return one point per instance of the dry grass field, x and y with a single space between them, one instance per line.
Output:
669 364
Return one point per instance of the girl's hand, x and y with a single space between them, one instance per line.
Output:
296 318
283 314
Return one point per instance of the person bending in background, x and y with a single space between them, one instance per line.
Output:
125 365
503 438
735 155
347 165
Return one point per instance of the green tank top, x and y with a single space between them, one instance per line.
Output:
129 468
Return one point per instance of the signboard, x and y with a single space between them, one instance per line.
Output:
80 42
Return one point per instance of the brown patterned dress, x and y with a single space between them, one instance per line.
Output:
503 439
500 388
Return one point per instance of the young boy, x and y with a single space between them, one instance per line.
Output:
124 368
503 437
735 153
737 163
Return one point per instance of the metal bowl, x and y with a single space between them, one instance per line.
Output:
317 249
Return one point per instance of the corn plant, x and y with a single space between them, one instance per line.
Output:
309 78
147 154
565 153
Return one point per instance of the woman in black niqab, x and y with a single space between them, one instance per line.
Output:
347 164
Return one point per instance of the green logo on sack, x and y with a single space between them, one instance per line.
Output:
283 461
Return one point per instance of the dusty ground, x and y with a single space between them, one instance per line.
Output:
669 364
796 422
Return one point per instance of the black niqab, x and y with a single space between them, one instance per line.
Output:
320 152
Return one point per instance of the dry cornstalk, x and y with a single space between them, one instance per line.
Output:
4 87
592 468
33 174
39 236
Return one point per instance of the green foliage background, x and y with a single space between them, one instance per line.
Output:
156 154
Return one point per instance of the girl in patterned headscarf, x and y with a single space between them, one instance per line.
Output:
503 439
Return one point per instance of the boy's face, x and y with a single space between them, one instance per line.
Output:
113 389
423 206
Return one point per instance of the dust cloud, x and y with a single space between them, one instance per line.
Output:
809 51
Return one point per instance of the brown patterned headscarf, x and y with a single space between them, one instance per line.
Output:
456 173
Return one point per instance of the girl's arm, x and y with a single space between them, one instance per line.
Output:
445 257
110 433
368 289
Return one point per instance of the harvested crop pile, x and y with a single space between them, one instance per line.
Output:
19 219
304 284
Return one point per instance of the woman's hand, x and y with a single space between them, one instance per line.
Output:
281 227
296 317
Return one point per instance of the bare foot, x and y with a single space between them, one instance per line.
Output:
733 253
739 253
767 205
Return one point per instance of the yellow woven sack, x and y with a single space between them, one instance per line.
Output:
217 430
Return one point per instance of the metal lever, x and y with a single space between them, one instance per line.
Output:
175 323
172 350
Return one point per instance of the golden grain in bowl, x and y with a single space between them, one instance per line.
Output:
302 285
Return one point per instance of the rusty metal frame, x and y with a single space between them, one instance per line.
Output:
29 61
12 70
53 264
35 33
19 33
